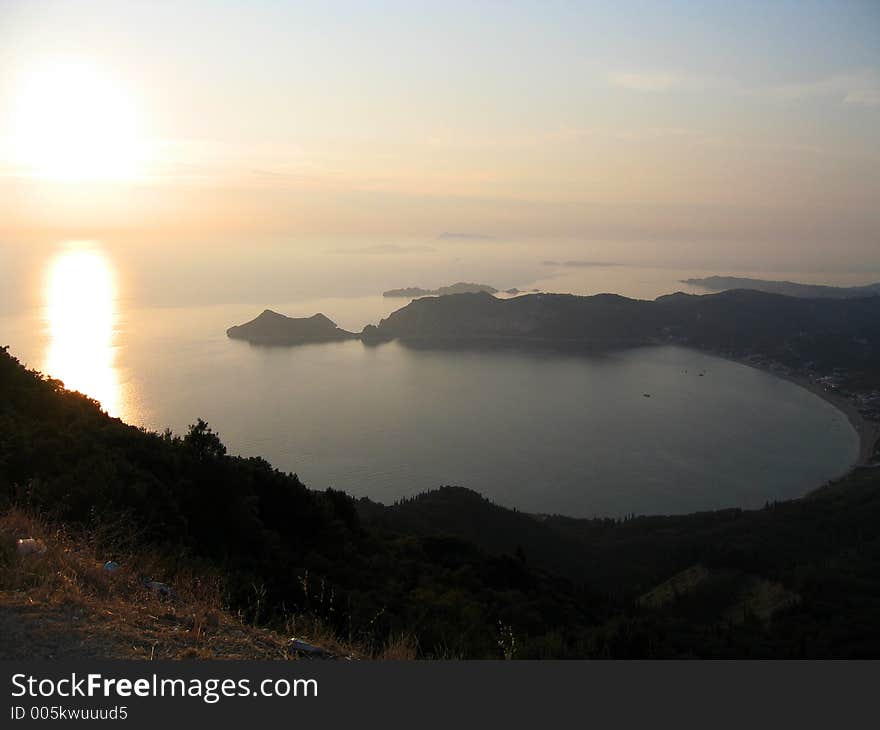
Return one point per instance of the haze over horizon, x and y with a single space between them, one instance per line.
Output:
682 133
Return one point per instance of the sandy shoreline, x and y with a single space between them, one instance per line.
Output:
867 431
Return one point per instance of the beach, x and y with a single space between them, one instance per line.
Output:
868 431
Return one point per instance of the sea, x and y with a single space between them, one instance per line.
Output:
649 430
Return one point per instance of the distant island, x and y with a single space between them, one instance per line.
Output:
787 288
461 287
271 328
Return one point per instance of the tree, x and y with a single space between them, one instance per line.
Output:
204 441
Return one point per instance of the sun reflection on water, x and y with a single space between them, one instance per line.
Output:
80 310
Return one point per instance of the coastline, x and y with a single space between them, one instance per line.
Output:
867 431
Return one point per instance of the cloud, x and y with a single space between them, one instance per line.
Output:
386 248
464 236
581 264
863 97
857 88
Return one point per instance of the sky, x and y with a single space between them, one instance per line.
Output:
694 128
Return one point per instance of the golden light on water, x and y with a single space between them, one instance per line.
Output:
81 316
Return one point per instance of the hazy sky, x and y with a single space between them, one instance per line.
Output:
751 125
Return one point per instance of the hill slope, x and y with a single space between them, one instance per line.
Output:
827 333
465 577
284 550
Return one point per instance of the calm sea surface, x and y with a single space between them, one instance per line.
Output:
571 433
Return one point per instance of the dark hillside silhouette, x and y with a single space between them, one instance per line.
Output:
797 578
826 333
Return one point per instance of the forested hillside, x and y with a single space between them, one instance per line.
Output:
465 577
822 333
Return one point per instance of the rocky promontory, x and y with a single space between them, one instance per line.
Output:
272 328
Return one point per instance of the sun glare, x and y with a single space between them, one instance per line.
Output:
81 317
73 123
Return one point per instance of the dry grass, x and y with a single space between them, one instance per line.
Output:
63 604
681 584
762 599
403 647
755 597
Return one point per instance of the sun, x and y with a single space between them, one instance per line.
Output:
73 122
